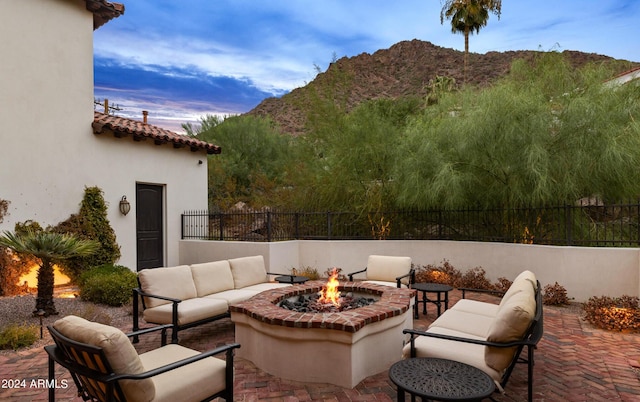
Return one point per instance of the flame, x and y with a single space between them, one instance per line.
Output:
330 292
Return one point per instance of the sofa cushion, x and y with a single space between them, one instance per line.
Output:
196 381
117 348
388 268
510 324
175 282
465 322
233 296
248 271
261 287
468 353
189 311
212 277
526 280
476 307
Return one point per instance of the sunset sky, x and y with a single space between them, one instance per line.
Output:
183 60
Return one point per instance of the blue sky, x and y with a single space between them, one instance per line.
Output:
181 60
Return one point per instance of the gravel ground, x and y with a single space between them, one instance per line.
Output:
19 310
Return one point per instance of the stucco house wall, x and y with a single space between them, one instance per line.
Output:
49 152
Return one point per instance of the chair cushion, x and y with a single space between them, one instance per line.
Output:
193 382
385 283
388 268
188 311
212 277
117 348
510 324
175 282
248 271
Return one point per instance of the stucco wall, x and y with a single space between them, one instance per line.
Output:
583 271
48 152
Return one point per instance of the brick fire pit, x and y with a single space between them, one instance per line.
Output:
340 348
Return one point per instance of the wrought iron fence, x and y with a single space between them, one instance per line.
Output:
587 224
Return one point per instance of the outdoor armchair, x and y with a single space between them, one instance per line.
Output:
388 270
105 366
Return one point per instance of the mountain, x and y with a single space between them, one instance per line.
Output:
404 69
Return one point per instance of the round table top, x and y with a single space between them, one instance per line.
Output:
441 379
431 287
288 279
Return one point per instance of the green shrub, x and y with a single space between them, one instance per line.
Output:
108 284
90 223
16 336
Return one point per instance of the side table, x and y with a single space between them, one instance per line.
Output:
437 288
292 279
437 379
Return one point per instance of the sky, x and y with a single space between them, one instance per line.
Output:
183 60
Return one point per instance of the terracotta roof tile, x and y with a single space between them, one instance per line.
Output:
122 127
104 11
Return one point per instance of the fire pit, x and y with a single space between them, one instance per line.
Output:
328 300
336 347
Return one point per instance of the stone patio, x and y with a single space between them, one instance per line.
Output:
574 362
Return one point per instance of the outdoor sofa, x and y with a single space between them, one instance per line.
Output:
485 335
189 295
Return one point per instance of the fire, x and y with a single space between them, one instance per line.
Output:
330 292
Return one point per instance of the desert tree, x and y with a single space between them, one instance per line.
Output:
546 134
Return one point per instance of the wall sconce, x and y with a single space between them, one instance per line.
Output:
125 207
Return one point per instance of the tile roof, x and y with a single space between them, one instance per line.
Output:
122 127
104 11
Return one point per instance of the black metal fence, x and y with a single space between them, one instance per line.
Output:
588 224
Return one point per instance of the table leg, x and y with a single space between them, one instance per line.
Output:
424 303
446 301
400 394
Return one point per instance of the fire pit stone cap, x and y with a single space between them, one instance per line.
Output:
263 307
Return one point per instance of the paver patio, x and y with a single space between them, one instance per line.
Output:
574 362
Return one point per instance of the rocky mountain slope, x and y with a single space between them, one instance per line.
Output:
402 70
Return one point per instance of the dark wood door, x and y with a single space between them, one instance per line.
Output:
149 226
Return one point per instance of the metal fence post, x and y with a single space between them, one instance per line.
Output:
221 225
268 226
569 224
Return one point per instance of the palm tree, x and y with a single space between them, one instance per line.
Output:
468 16
50 248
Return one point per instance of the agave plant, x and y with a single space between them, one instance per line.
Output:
49 248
